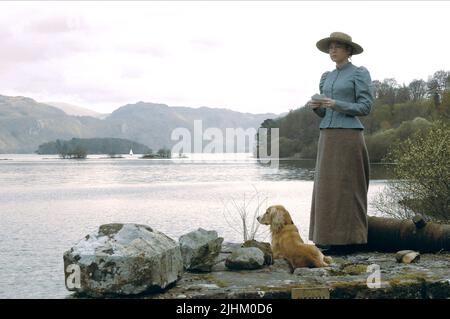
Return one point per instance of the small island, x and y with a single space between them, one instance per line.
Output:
162 153
79 148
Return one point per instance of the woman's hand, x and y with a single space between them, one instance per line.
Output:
328 103
314 104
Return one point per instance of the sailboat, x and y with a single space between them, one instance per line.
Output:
131 151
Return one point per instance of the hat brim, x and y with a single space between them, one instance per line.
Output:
323 44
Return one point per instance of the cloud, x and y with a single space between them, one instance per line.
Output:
34 41
57 24
248 55
29 49
133 71
4 34
144 49
203 43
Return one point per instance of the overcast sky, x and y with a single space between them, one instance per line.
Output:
246 56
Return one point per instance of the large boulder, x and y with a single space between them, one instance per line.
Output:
199 249
122 259
264 247
245 258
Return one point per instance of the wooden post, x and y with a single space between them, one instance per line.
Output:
389 234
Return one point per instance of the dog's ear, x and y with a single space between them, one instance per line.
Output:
287 217
278 220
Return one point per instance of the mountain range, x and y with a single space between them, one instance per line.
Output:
26 123
71 109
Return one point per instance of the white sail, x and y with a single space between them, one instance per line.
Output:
131 151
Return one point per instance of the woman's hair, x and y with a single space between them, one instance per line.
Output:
348 47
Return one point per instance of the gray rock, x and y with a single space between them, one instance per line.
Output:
220 266
280 265
407 256
265 248
320 272
245 258
228 247
122 259
199 249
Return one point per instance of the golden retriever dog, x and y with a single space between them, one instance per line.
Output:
287 243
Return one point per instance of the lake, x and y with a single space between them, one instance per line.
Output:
47 204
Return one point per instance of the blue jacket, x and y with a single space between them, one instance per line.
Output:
351 88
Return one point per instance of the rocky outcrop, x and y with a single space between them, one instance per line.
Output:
200 249
351 276
373 274
122 259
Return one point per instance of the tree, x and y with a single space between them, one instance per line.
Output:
445 106
268 123
265 137
376 86
403 94
433 91
67 151
61 148
164 153
421 181
437 84
388 90
78 152
442 79
418 89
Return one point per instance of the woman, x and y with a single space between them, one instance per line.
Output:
339 201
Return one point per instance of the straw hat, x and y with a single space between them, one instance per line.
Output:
323 44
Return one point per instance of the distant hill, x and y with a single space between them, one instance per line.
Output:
71 109
25 124
94 146
152 124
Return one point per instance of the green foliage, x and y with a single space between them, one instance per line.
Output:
443 111
384 116
298 133
161 153
66 150
164 153
287 146
378 144
421 181
77 152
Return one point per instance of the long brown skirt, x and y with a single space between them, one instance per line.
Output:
341 182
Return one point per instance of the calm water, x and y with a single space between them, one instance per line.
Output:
48 204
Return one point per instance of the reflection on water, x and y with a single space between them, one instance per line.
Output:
304 170
47 204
